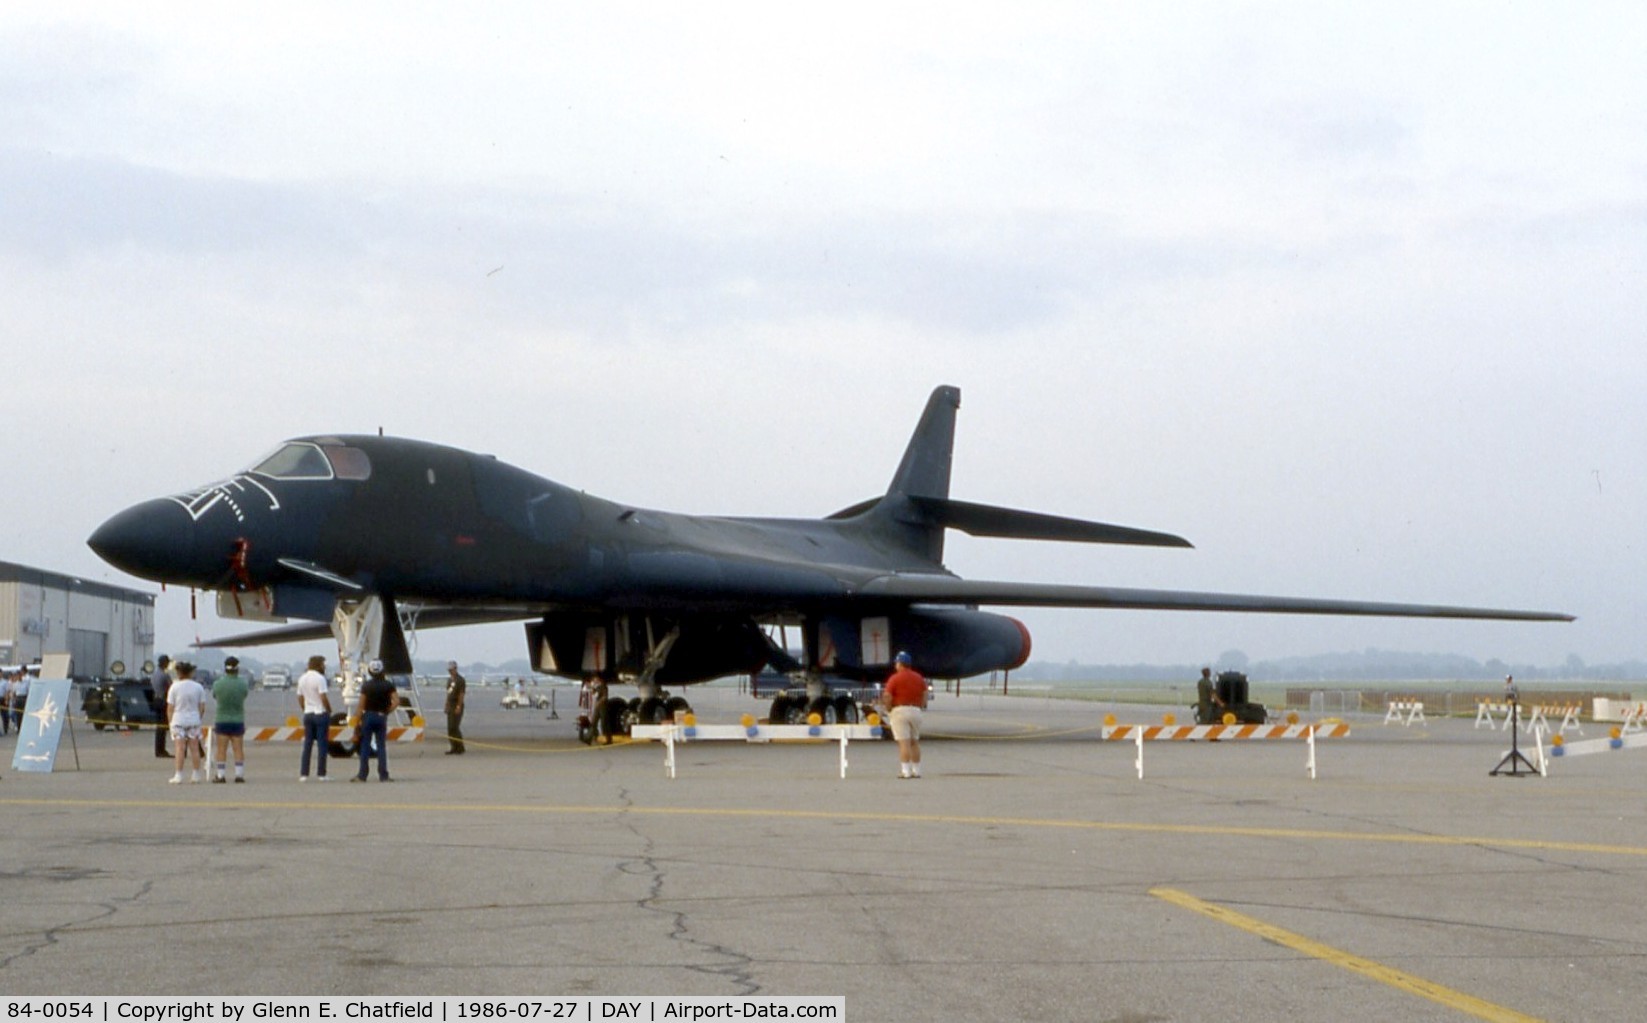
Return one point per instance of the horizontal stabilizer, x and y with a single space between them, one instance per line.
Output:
989 520
944 589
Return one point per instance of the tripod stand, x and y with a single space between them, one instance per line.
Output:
1514 758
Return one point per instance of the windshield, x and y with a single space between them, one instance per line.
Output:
295 461
301 460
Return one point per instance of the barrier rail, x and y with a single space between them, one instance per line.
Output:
750 731
289 733
1140 734
1618 740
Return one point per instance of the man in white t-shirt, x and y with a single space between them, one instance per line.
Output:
316 707
185 712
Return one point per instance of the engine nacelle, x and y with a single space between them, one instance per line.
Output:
613 647
943 642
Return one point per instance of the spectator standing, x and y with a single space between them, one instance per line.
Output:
315 705
19 697
229 722
378 699
159 683
185 713
905 695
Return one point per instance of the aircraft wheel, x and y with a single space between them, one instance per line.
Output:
846 710
779 714
650 711
824 707
675 705
345 745
795 712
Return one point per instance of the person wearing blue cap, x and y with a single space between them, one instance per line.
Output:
904 696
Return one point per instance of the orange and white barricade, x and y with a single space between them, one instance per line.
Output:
290 732
1170 732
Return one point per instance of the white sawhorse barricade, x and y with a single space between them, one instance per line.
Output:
1139 734
1405 712
671 734
1533 717
1487 713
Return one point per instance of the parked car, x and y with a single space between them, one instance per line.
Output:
276 677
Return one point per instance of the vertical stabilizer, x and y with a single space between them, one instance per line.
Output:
924 472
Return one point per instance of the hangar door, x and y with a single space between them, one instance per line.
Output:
88 651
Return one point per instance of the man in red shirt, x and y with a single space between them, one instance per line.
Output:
904 695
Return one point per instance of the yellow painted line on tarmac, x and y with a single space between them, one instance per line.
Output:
1130 827
1369 968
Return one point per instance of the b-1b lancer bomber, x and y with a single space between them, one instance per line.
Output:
364 536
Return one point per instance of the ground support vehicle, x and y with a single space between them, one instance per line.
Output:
1232 695
119 703
514 699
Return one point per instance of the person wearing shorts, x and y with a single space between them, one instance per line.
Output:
185 713
229 724
904 696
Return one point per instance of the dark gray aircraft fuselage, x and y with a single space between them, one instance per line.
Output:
461 537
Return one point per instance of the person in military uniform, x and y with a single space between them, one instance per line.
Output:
1209 709
455 692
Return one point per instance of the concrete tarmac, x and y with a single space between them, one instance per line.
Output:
1030 875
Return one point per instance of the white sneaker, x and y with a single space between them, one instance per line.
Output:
323 778
194 777
176 779
302 777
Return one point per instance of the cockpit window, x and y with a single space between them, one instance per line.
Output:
349 463
295 461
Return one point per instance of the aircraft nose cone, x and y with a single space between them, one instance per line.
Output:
153 540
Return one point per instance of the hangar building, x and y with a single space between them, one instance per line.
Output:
96 624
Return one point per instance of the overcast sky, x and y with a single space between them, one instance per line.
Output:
1351 296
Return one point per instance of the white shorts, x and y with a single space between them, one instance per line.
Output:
185 731
906 722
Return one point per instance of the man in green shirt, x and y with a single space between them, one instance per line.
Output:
229 726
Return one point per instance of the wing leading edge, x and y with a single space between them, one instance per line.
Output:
938 589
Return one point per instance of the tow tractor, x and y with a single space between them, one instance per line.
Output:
1232 694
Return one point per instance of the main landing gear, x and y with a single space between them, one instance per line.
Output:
612 716
606 716
795 708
